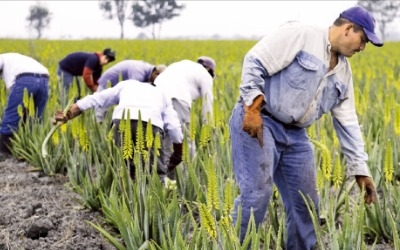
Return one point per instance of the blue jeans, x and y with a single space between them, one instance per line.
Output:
65 80
38 87
287 159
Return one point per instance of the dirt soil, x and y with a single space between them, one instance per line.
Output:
40 212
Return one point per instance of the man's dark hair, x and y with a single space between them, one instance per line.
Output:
341 21
110 54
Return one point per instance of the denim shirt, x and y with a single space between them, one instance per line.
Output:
299 89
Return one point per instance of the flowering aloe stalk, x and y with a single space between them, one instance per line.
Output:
53 129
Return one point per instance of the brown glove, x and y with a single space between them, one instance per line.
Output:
73 112
252 122
368 184
176 156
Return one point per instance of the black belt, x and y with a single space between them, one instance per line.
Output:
32 74
285 125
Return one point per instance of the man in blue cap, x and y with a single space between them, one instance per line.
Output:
289 80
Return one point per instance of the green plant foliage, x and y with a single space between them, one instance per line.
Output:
127 145
388 168
197 214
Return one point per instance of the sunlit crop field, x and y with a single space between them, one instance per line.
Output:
194 214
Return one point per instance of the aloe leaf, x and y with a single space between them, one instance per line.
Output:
53 129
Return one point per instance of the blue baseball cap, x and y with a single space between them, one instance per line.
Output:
363 18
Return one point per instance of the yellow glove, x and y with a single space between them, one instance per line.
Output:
252 122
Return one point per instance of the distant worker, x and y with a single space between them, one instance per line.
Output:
85 64
184 82
133 96
20 72
126 70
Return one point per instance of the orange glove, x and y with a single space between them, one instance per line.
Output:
252 122
365 182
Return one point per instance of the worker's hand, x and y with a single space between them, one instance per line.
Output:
176 156
365 182
73 112
60 117
252 122
94 87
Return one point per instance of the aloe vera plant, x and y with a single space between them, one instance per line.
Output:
196 215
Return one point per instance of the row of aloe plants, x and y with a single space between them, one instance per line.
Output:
194 213
145 213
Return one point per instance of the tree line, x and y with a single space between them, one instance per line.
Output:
142 13
152 13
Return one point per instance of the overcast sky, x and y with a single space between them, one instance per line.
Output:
84 19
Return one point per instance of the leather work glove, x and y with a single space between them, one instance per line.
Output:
73 112
176 156
368 184
252 122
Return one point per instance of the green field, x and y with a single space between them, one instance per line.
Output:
195 215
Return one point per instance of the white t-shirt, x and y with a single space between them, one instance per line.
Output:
135 96
13 64
186 81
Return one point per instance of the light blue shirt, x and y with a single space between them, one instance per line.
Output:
125 70
290 69
133 96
